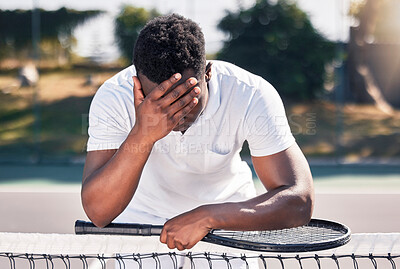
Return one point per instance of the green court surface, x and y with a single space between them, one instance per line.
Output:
357 178
354 179
39 175
327 178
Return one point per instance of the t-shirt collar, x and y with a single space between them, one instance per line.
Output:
214 98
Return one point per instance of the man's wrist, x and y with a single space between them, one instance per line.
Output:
138 143
210 212
141 136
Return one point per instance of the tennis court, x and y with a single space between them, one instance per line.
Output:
45 199
341 101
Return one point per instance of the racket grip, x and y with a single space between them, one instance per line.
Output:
84 227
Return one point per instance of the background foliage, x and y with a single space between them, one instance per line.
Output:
128 24
56 28
278 42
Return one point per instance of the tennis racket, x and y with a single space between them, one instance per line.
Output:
316 235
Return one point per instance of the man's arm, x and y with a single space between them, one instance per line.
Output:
288 203
111 177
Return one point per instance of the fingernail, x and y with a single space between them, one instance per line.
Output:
177 76
195 100
192 81
197 90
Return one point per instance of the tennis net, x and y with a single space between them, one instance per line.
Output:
25 250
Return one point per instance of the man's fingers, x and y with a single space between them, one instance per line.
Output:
162 88
184 111
170 243
185 100
179 91
138 95
163 237
179 246
190 245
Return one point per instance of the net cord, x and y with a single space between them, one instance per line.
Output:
63 249
120 259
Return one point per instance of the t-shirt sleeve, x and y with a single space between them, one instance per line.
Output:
266 127
109 119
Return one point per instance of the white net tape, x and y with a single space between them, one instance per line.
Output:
46 248
360 244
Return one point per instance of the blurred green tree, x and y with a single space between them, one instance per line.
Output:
278 42
128 24
56 30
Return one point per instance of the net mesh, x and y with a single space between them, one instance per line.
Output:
102 251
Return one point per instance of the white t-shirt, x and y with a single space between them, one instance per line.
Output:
203 165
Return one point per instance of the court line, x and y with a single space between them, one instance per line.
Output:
59 188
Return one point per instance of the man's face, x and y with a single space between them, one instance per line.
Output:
148 86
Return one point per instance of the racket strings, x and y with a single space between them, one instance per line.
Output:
299 235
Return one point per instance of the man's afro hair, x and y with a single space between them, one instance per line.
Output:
168 45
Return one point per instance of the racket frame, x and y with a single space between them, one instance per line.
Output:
133 229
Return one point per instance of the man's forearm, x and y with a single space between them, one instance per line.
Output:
107 191
280 208
288 203
283 207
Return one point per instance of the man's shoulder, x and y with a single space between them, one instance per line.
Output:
122 77
117 91
228 71
238 87
120 83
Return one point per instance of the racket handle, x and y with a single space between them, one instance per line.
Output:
84 227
